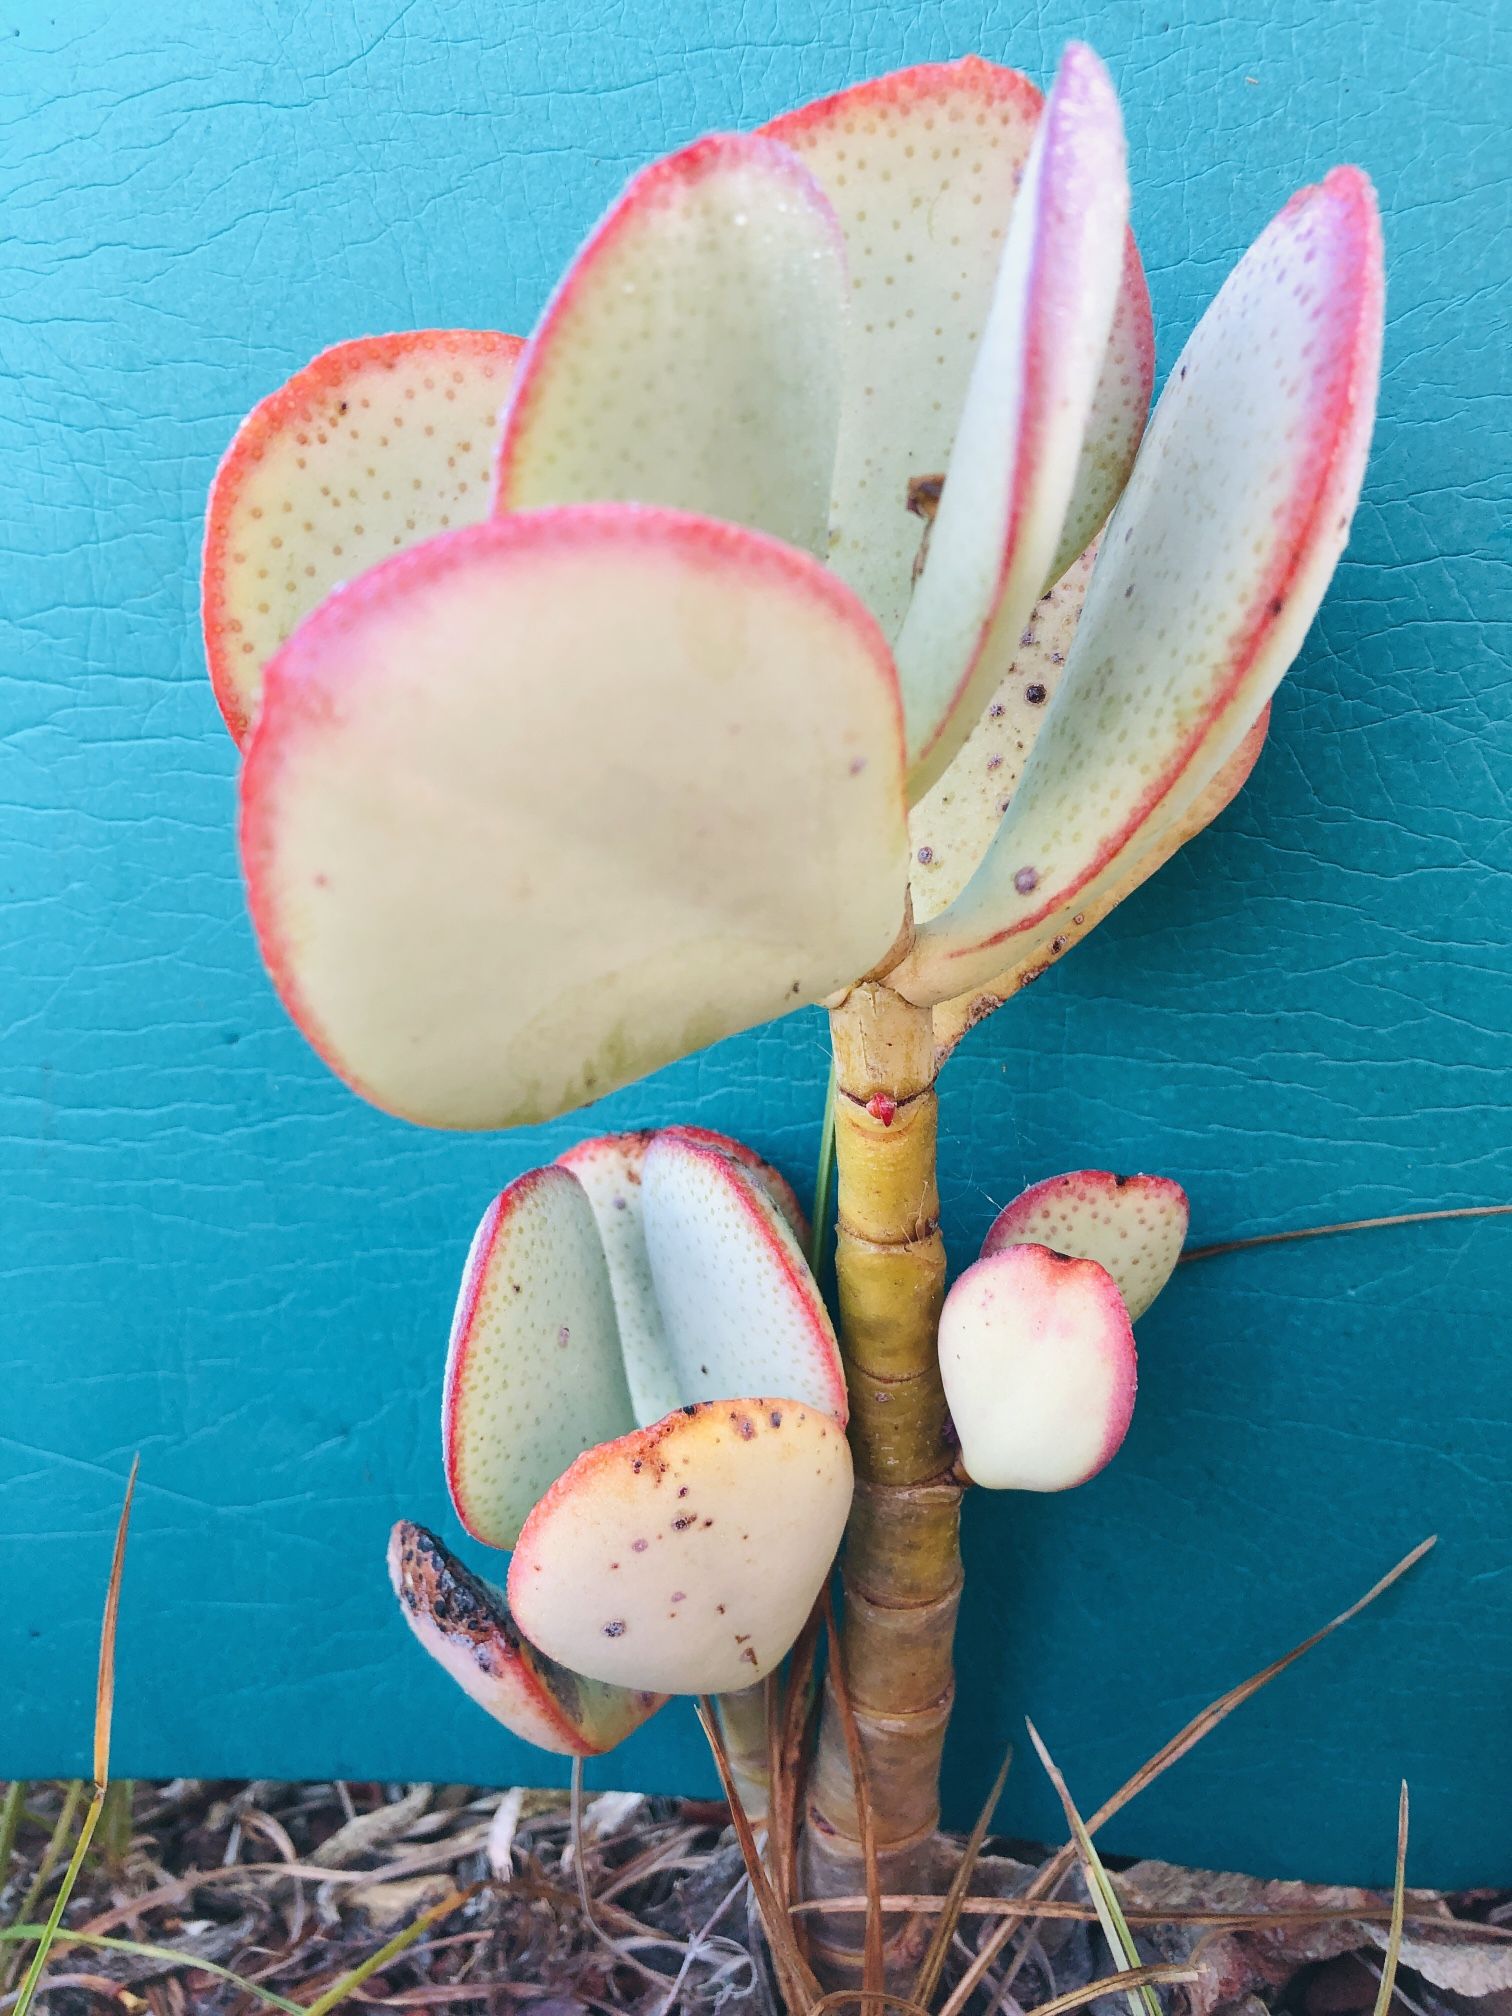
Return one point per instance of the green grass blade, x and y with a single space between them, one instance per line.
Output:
104 1704
68 1812
1171 1752
60 1904
824 1178
115 1824
338 1992
932 1966
11 1810
1142 2000
167 1955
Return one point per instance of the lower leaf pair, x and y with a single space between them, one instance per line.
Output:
671 1528
1037 1339
644 1399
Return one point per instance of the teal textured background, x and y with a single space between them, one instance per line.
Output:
213 1254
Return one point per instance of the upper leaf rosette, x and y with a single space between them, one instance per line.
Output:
779 647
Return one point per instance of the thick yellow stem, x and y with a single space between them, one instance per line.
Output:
901 1568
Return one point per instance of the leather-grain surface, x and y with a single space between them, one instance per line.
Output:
213 1254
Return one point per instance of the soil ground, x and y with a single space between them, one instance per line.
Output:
475 1901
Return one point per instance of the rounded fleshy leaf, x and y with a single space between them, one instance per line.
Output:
922 168
542 805
1013 466
465 1625
1132 1226
951 827
1208 578
691 357
685 1557
1037 1358
373 446
609 1169
1052 939
534 1374
739 1307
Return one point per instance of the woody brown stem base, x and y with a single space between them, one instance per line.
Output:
901 1569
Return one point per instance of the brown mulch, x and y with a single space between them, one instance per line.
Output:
290 1887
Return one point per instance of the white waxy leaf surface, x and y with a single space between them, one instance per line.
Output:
740 1308
1037 1359
1120 407
534 1374
1133 1226
692 354
1209 575
684 1558
951 827
768 1178
540 806
375 445
922 167
610 1171
1014 462
465 1625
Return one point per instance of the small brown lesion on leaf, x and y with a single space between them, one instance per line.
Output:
924 494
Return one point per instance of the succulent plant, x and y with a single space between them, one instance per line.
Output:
777 646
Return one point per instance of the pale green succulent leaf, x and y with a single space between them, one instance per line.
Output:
611 1169
1208 577
951 827
691 355
542 805
739 1306
1013 466
373 446
534 1373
